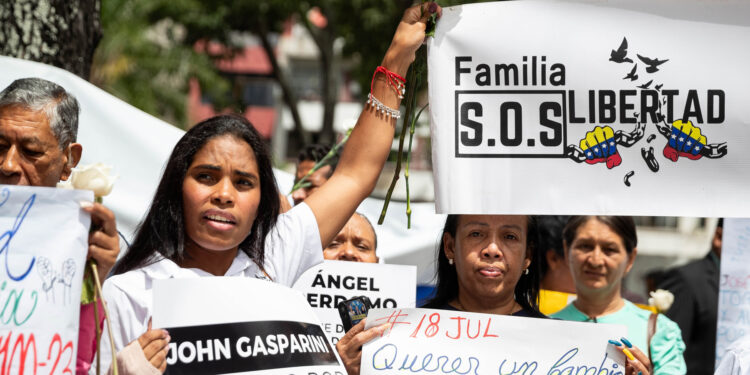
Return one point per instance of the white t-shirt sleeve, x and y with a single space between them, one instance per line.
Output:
293 246
125 317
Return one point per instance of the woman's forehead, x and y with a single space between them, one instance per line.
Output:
228 148
494 221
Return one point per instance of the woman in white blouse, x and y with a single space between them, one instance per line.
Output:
216 210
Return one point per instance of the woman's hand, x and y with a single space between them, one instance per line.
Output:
636 363
409 37
104 243
350 346
155 345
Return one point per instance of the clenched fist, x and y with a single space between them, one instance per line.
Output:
600 146
685 140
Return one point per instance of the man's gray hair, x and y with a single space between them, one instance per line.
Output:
59 105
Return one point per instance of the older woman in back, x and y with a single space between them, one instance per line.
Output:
600 251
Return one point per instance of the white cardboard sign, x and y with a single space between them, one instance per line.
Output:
734 285
386 285
240 325
43 245
443 342
565 108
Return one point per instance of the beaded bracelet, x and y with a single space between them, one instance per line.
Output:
382 108
396 82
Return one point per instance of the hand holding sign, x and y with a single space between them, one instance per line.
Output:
639 364
350 346
154 344
600 146
104 244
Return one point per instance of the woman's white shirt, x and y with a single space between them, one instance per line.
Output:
291 248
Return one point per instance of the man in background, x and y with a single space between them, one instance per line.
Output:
356 242
306 160
38 131
696 304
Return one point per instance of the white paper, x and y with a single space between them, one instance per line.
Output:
441 341
240 325
734 285
43 245
386 285
538 63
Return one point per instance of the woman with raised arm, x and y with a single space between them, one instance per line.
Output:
216 209
484 266
600 251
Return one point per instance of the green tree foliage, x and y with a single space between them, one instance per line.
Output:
144 59
147 55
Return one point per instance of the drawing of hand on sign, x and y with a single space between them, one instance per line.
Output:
684 140
50 277
599 146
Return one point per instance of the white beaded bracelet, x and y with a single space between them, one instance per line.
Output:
382 108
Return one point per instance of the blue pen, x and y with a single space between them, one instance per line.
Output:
614 342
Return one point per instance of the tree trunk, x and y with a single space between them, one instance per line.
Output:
329 83
286 89
62 33
330 88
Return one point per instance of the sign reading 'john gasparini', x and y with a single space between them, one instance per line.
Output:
570 108
240 325
247 346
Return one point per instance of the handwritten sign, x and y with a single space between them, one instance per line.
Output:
455 342
386 285
734 285
240 325
592 107
43 245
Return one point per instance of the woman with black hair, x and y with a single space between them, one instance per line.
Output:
216 209
600 251
484 265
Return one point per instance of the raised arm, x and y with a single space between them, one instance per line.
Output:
370 142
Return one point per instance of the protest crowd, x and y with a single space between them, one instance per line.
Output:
217 211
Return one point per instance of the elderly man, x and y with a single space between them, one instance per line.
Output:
356 242
38 129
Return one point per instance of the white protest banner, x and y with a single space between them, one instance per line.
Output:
567 108
386 285
240 325
448 342
734 285
43 245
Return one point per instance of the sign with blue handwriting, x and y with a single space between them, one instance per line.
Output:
43 245
734 285
222 325
422 341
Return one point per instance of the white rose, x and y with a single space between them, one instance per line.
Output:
94 177
661 299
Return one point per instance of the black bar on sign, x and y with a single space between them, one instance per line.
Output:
247 346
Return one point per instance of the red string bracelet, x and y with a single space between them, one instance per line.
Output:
397 82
